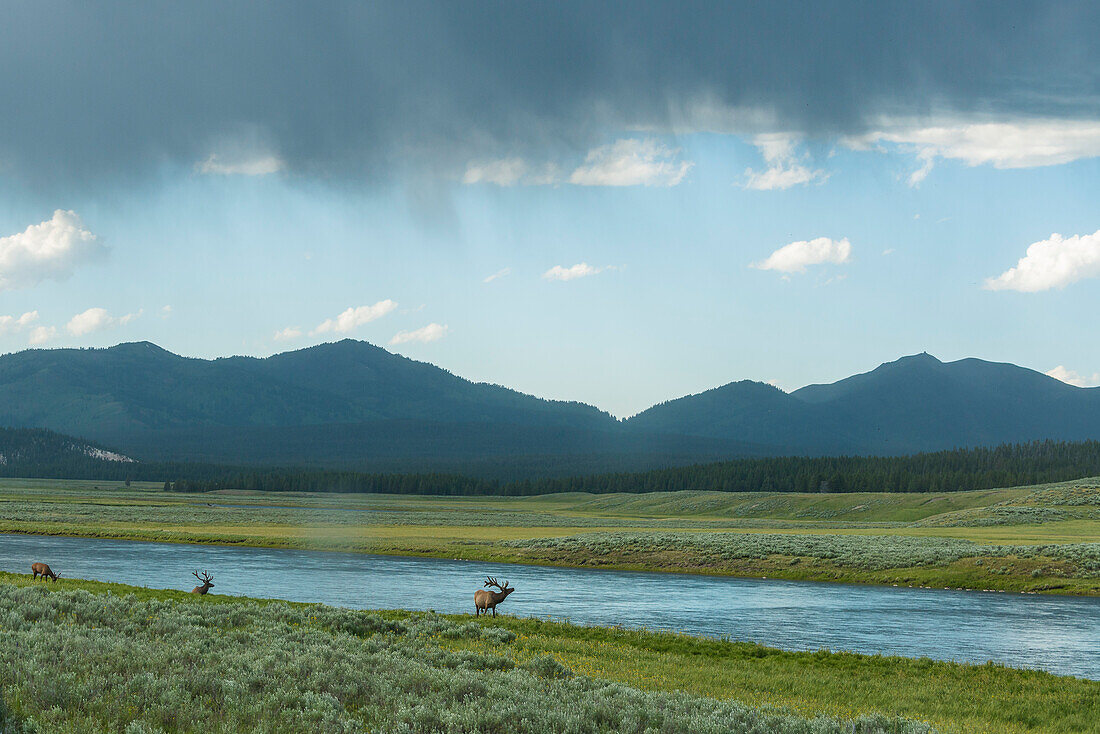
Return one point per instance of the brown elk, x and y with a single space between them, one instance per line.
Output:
207 582
43 570
486 600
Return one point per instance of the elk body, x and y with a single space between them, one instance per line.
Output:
486 600
207 582
43 570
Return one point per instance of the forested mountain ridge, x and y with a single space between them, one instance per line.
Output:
746 408
36 452
354 405
101 393
347 404
390 386
141 386
916 403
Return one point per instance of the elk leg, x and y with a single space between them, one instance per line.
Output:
494 611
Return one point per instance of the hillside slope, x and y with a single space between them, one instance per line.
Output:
354 405
34 452
348 404
916 403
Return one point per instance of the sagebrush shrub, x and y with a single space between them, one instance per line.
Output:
73 661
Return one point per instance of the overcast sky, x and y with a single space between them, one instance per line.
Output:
619 204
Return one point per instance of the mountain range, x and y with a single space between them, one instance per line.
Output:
351 404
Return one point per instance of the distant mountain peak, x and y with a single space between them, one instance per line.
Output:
142 347
923 358
347 346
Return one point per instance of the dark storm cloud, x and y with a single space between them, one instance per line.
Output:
93 92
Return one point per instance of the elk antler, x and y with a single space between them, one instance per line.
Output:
206 578
490 581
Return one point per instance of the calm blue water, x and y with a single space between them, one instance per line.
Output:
1058 634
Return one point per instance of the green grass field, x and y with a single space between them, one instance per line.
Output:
1043 539
81 656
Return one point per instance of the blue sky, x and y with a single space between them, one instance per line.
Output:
638 257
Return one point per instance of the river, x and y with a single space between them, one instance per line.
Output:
1053 633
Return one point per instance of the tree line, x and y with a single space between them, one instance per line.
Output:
46 454
941 471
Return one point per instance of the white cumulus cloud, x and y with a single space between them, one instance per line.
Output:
47 250
580 270
503 172
626 162
12 324
795 257
424 334
259 165
290 332
1052 263
631 162
91 320
96 319
1073 378
1026 143
785 167
41 334
354 317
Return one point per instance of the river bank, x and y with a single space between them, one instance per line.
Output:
145 643
1060 634
1031 540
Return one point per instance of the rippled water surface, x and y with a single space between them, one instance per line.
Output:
1059 634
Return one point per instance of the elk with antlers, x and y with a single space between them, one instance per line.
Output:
43 570
486 600
207 582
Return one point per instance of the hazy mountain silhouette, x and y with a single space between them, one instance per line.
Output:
354 404
348 403
916 403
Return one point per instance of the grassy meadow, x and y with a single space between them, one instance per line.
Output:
1043 539
165 661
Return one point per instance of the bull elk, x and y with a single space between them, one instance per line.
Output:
43 570
486 600
207 582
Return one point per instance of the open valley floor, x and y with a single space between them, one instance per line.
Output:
1042 539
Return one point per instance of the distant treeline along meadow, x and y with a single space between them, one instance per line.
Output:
45 454
942 471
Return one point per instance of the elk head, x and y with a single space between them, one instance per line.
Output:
505 589
207 582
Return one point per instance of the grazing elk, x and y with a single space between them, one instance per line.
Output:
207 582
486 600
43 570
